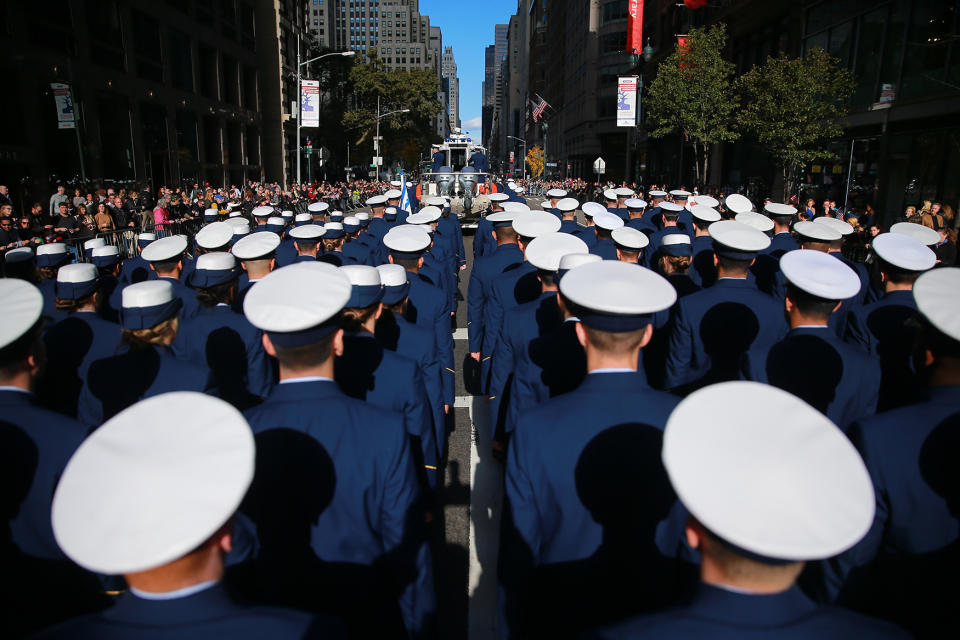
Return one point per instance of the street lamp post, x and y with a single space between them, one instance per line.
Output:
524 143
300 66
378 160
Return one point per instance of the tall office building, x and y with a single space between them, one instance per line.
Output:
489 93
449 70
436 55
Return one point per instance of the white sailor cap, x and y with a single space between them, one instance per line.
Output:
436 201
426 215
926 235
708 201
192 454
756 220
680 194
556 193
93 243
351 224
256 246
302 219
299 304
820 274
308 232
234 214
676 244
376 201
75 281
334 230
211 214
502 218
233 205
237 222
498 197
143 239
616 296
636 204
590 209
610 194
536 223
275 223
362 216
105 256
738 203
390 213
395 183
545 251
22 306
317 207
841 227
777 209
607 221
393 194
904 252
396 287
286 214
240 230
629 238
737 241
672 207
336 216
705 213
366 288
214 235
407 241
808 230
516 207
262 212
212 269
147 304
20 255
573 260
52 254
935 293
796 492
167 248
624 192
657 193
568 204
519 189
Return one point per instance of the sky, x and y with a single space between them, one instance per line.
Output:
468 31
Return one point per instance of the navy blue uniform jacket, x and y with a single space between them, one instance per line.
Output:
338 511
589 535
428 308
485 269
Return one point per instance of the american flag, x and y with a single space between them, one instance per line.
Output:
539 108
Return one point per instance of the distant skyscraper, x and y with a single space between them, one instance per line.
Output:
449 70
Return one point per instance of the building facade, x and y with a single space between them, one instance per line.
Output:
449 72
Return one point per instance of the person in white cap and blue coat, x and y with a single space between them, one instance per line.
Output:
145 364
335 497
584 491
770 484
166 258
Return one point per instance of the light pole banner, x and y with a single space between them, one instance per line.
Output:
627 101
64 100
634 26
310 103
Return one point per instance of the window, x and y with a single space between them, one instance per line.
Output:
613 42
146 46
181 61
616 10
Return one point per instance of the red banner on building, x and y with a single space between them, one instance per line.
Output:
634 26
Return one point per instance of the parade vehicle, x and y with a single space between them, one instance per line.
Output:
461 185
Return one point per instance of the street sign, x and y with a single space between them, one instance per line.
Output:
599 166
308 150
551 164
378 160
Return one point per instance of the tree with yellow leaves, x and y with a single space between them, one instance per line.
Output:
535 160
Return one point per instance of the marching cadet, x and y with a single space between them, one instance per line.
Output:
287 252
145 365
682 197
845 229
318 211
584 488
766 268
904 569
714 327
657 197
588 233
222 339
554 196
635 210
623 194
335 496
448 226
212 237
50 258
611 204
165 257
812 362
756 530
629 243
240 228
260 216
758 221
257 255
393 200
483 242
77 340
353 251
427 304
603 224
567 211
107 261
91 244
485 269
171 547
736 203
306 239
136 269
398 334
335 216
368 371
20 263
35 445
518 283
669 223
675 256
438 262
783 216
210 216
529 321
884 328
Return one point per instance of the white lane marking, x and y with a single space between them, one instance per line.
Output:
462 402
486 491
460 334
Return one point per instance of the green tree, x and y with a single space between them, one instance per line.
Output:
694 95
414 90
792 106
